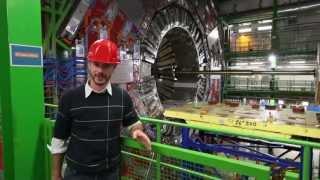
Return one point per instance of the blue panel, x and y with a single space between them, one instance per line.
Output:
314 108
24 55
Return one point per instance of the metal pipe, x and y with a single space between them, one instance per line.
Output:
300 8
249 72
269 14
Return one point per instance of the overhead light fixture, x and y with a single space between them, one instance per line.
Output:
241 64
297 62
299 8
281 102
265 21
257 63
305 103
245 24
264 28
214 34
244 30
273 60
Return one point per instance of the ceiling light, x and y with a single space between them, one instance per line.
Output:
281 102
273 60
297 62
305 103
264 28
257 63
241 64
245 24
244 30
265 21
214 34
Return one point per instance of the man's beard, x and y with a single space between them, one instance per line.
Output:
100 79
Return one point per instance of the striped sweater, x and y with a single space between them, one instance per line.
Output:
93 125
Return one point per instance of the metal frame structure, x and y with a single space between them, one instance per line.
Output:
55 13
279 35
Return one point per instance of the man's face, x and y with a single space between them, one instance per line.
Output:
100 73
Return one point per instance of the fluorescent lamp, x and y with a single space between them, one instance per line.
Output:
214 34
265 21
257 63
245 24
241 64
297 62
273 60
244 30
264 28
281 102
292 67
305 103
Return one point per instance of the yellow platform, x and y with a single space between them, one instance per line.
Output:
283 121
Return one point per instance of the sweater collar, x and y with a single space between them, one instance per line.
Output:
89 90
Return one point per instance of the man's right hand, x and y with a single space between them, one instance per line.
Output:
56 166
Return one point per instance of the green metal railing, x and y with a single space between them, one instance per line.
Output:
173 162
306 145
171 153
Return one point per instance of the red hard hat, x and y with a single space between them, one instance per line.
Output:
104 51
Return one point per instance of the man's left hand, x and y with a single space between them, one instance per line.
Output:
140 136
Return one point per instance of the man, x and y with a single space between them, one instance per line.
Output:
91 117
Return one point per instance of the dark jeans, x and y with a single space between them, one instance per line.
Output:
72 174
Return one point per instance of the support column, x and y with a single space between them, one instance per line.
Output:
274 33
317 78
274 43
21 79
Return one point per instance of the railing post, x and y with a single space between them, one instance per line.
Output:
306 163
158 170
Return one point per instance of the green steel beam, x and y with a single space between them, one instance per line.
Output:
48 35
53 44
210 160
291 176
232 131
63 45
307 163
22 97
47 9
51 40
62 5
6 101
65 13
52 32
